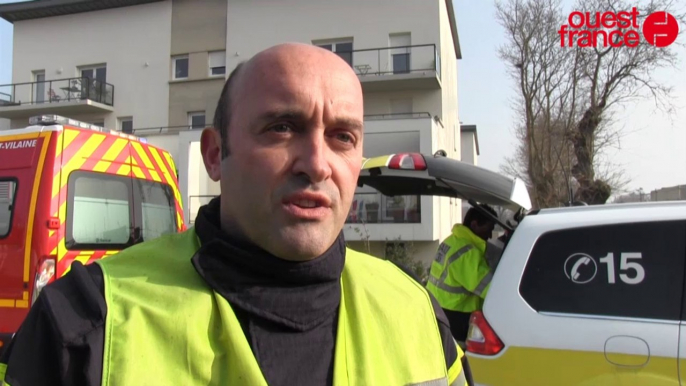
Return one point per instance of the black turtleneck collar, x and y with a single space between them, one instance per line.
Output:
297 295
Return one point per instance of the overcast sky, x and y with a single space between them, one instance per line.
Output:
652 153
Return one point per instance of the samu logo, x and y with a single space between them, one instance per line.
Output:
617 29
582 268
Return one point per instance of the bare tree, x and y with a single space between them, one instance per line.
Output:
566 96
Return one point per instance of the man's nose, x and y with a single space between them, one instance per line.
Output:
313 157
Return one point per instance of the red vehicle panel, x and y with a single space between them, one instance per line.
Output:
69 193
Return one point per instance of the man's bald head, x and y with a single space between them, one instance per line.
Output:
273 60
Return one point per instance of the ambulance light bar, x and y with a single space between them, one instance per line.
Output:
52 119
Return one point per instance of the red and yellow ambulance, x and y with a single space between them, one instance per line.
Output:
73 191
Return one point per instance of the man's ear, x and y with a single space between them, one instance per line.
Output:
211 149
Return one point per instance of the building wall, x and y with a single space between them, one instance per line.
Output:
133 41
253 27
4 124
198 27
468 145
673 193
447 210
428 101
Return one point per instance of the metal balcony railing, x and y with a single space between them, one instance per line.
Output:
381 117
393 60
375 208
166 129
177 129
56 91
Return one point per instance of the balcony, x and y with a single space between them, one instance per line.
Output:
68 97
396 68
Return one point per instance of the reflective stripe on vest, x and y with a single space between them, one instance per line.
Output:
440 283
165 326
483 284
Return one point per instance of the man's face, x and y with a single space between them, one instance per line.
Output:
295 142
484 230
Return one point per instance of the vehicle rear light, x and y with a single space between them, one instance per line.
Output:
44 276
407 161
53 223
481 338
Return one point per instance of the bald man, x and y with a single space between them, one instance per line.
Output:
262 290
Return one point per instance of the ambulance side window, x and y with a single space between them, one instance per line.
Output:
158 208
98 211
632 270
8 191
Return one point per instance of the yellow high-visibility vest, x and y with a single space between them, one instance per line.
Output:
166 326
460 276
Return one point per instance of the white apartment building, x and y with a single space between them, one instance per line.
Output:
156 69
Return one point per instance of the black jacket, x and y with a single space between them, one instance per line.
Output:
288 312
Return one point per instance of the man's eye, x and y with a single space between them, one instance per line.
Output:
345 137
281 128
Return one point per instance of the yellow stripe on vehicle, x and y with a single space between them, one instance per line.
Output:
32 208
24 302
68 136
141 153
172 172
6 303
532 366
80 157
149 165
62 250
155 176
62 214
111 155
168 178
124 170
138 172
376 162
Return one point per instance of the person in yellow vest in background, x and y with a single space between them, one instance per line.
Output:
460 274
262 289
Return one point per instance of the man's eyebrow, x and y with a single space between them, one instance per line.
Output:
350 123
290 114
298 115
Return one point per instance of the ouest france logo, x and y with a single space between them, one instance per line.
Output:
617 29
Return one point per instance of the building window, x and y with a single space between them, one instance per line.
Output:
92 85
126 125
343 48
8 190
400 52
180 67
217 63
196 120
39 91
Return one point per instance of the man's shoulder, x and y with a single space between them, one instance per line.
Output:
75 303
167 246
